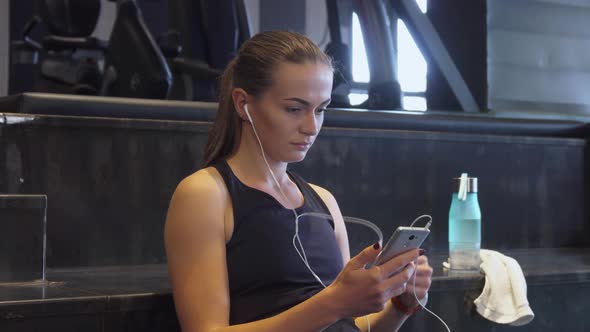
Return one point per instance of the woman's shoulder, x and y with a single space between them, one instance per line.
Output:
324 193
198 204
205 184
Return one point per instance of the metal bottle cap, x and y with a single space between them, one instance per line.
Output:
471 184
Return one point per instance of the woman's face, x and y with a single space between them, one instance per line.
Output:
289 115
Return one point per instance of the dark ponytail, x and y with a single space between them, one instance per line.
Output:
225 133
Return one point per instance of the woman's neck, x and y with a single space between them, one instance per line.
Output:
249 164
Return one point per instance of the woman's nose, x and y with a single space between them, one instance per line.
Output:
311 124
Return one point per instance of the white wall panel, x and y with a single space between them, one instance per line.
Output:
540 17
534 50
519 84
538 52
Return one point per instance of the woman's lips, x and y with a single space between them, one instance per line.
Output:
302 146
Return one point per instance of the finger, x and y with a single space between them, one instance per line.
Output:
414 275
422 278
422 260
420 284
365 257
424 283
424 270
421 275
400 288
398 263
398 291
401 279
420 290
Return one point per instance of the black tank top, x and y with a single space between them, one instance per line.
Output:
266 275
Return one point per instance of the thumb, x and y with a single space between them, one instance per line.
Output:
365 257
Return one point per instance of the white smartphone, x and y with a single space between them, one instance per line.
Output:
402 240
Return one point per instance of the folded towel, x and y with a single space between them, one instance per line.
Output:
504 298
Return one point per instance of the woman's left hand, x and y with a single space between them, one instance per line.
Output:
423 278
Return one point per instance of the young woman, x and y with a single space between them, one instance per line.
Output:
232 256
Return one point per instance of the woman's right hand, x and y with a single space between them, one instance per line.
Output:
358 291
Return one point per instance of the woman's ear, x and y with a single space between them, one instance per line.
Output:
240 98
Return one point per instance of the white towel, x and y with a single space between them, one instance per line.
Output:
504 298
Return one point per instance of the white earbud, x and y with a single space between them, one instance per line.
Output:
248 113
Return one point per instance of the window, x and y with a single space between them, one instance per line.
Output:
411 65
360 65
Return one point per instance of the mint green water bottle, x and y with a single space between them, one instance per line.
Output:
464 225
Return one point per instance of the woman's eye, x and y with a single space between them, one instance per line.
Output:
320 110
293 109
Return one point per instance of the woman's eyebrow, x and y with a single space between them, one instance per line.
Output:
299 100
305 102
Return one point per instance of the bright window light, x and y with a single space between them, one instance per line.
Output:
414 103
357 98
423 4
360 64
411 65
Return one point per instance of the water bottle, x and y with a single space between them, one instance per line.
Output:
464 225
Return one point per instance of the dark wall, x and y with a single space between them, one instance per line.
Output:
109 182
282 14
462 27
392 177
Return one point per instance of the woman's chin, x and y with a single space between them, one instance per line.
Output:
295 157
